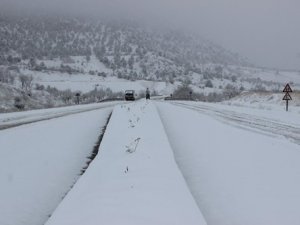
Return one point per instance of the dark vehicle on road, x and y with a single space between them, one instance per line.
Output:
129 95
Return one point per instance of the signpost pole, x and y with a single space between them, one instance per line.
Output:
287 89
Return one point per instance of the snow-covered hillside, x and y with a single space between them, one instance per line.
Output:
118 45
45 62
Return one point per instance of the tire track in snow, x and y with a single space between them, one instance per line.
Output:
249 122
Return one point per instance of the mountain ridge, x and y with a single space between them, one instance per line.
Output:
121 47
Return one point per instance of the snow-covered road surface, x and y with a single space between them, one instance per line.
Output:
8 120
39 162
237 176
239 167
282 124
134 178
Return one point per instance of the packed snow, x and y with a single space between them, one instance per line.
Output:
273 121
18 118
164 163
236 175
39 163
265 100
133 180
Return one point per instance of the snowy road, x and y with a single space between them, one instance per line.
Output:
250 121
235 168
8 120
39 162
236 175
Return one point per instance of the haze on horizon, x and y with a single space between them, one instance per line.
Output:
264 31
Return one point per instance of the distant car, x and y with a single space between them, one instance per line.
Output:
129 95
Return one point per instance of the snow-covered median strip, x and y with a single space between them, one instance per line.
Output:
133 180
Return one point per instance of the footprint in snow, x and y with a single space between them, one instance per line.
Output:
131 124
133 145
126 170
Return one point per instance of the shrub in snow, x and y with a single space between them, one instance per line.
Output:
183 92
230 91
19 103
199 97
39 87
214 97
26 82
209 84
233 79
92 72
102 74
259 87
40 67
67 96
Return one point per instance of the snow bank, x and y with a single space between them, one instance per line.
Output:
265 100
236 176
276 114
16 118
39 162
133 180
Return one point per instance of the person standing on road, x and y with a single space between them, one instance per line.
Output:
147 93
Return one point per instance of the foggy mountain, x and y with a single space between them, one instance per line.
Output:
125 48
46 60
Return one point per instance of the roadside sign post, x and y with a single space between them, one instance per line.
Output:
77 98
287 97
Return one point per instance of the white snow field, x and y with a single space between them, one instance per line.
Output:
265 100
133 180
39 162
86 82
239 173
274 122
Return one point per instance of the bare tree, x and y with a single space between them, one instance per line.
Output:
183 92
67 96
26 83
6 76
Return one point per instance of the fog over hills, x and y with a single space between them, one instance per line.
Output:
265 31
114 44
47 57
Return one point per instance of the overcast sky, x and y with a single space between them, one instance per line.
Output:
267 32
